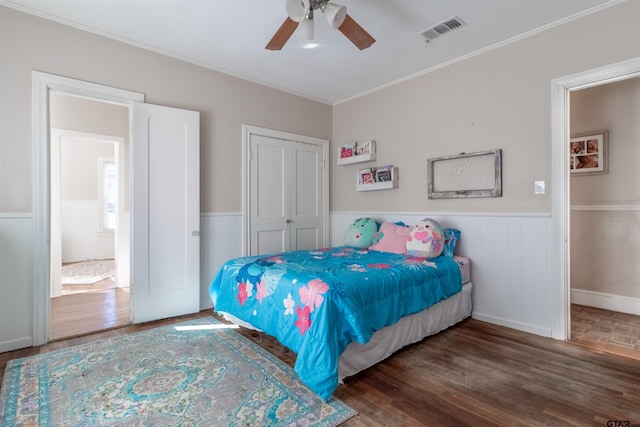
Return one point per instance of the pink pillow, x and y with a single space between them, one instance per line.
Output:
393 238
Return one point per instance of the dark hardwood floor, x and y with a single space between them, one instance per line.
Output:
473 374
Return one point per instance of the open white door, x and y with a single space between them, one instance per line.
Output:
165 212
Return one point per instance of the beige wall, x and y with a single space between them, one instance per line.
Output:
224 102
499 99
605 216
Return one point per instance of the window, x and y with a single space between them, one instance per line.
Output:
109 194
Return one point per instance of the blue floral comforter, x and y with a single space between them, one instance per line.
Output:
317 302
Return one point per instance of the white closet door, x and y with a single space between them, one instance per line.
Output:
307 191
270 196
165 212
287 195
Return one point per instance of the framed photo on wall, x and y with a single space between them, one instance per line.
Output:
588 153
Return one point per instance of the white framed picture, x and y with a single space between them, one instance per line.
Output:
588 153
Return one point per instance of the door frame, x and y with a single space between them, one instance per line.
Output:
247 131
41 84
560 133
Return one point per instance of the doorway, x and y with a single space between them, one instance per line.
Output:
605 217
164 217
561 90
89 215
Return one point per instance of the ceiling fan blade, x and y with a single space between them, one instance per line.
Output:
356 33
282 35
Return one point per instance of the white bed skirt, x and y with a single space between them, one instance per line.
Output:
407 330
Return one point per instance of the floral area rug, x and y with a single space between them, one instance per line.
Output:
87 272
199 373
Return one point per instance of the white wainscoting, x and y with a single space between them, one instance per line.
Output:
16 281
220 240
510 253
511 262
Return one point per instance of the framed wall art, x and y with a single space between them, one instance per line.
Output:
588 153
466 175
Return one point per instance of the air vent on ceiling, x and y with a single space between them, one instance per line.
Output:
442 28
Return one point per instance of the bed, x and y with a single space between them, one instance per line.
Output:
342 309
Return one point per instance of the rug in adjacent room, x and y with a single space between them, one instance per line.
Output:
198 373
88 272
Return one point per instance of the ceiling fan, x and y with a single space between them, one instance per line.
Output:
300 13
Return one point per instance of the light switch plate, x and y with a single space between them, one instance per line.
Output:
539 187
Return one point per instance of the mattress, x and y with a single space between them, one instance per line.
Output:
465 267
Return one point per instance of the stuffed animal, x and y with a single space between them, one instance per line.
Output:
361 234
426 240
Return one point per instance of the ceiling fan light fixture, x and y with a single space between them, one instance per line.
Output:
297 9
306 27
334 13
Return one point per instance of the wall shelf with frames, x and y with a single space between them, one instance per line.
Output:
387 179
357 153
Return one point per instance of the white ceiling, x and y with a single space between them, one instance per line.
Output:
230 36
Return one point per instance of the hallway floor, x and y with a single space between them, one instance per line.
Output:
89 309
605 330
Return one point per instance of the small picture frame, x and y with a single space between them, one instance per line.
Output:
348 150
383 173
367 176
588 153
365 147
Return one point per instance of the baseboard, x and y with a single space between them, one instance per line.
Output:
16 215
611 302
15 344
520 326
81 259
